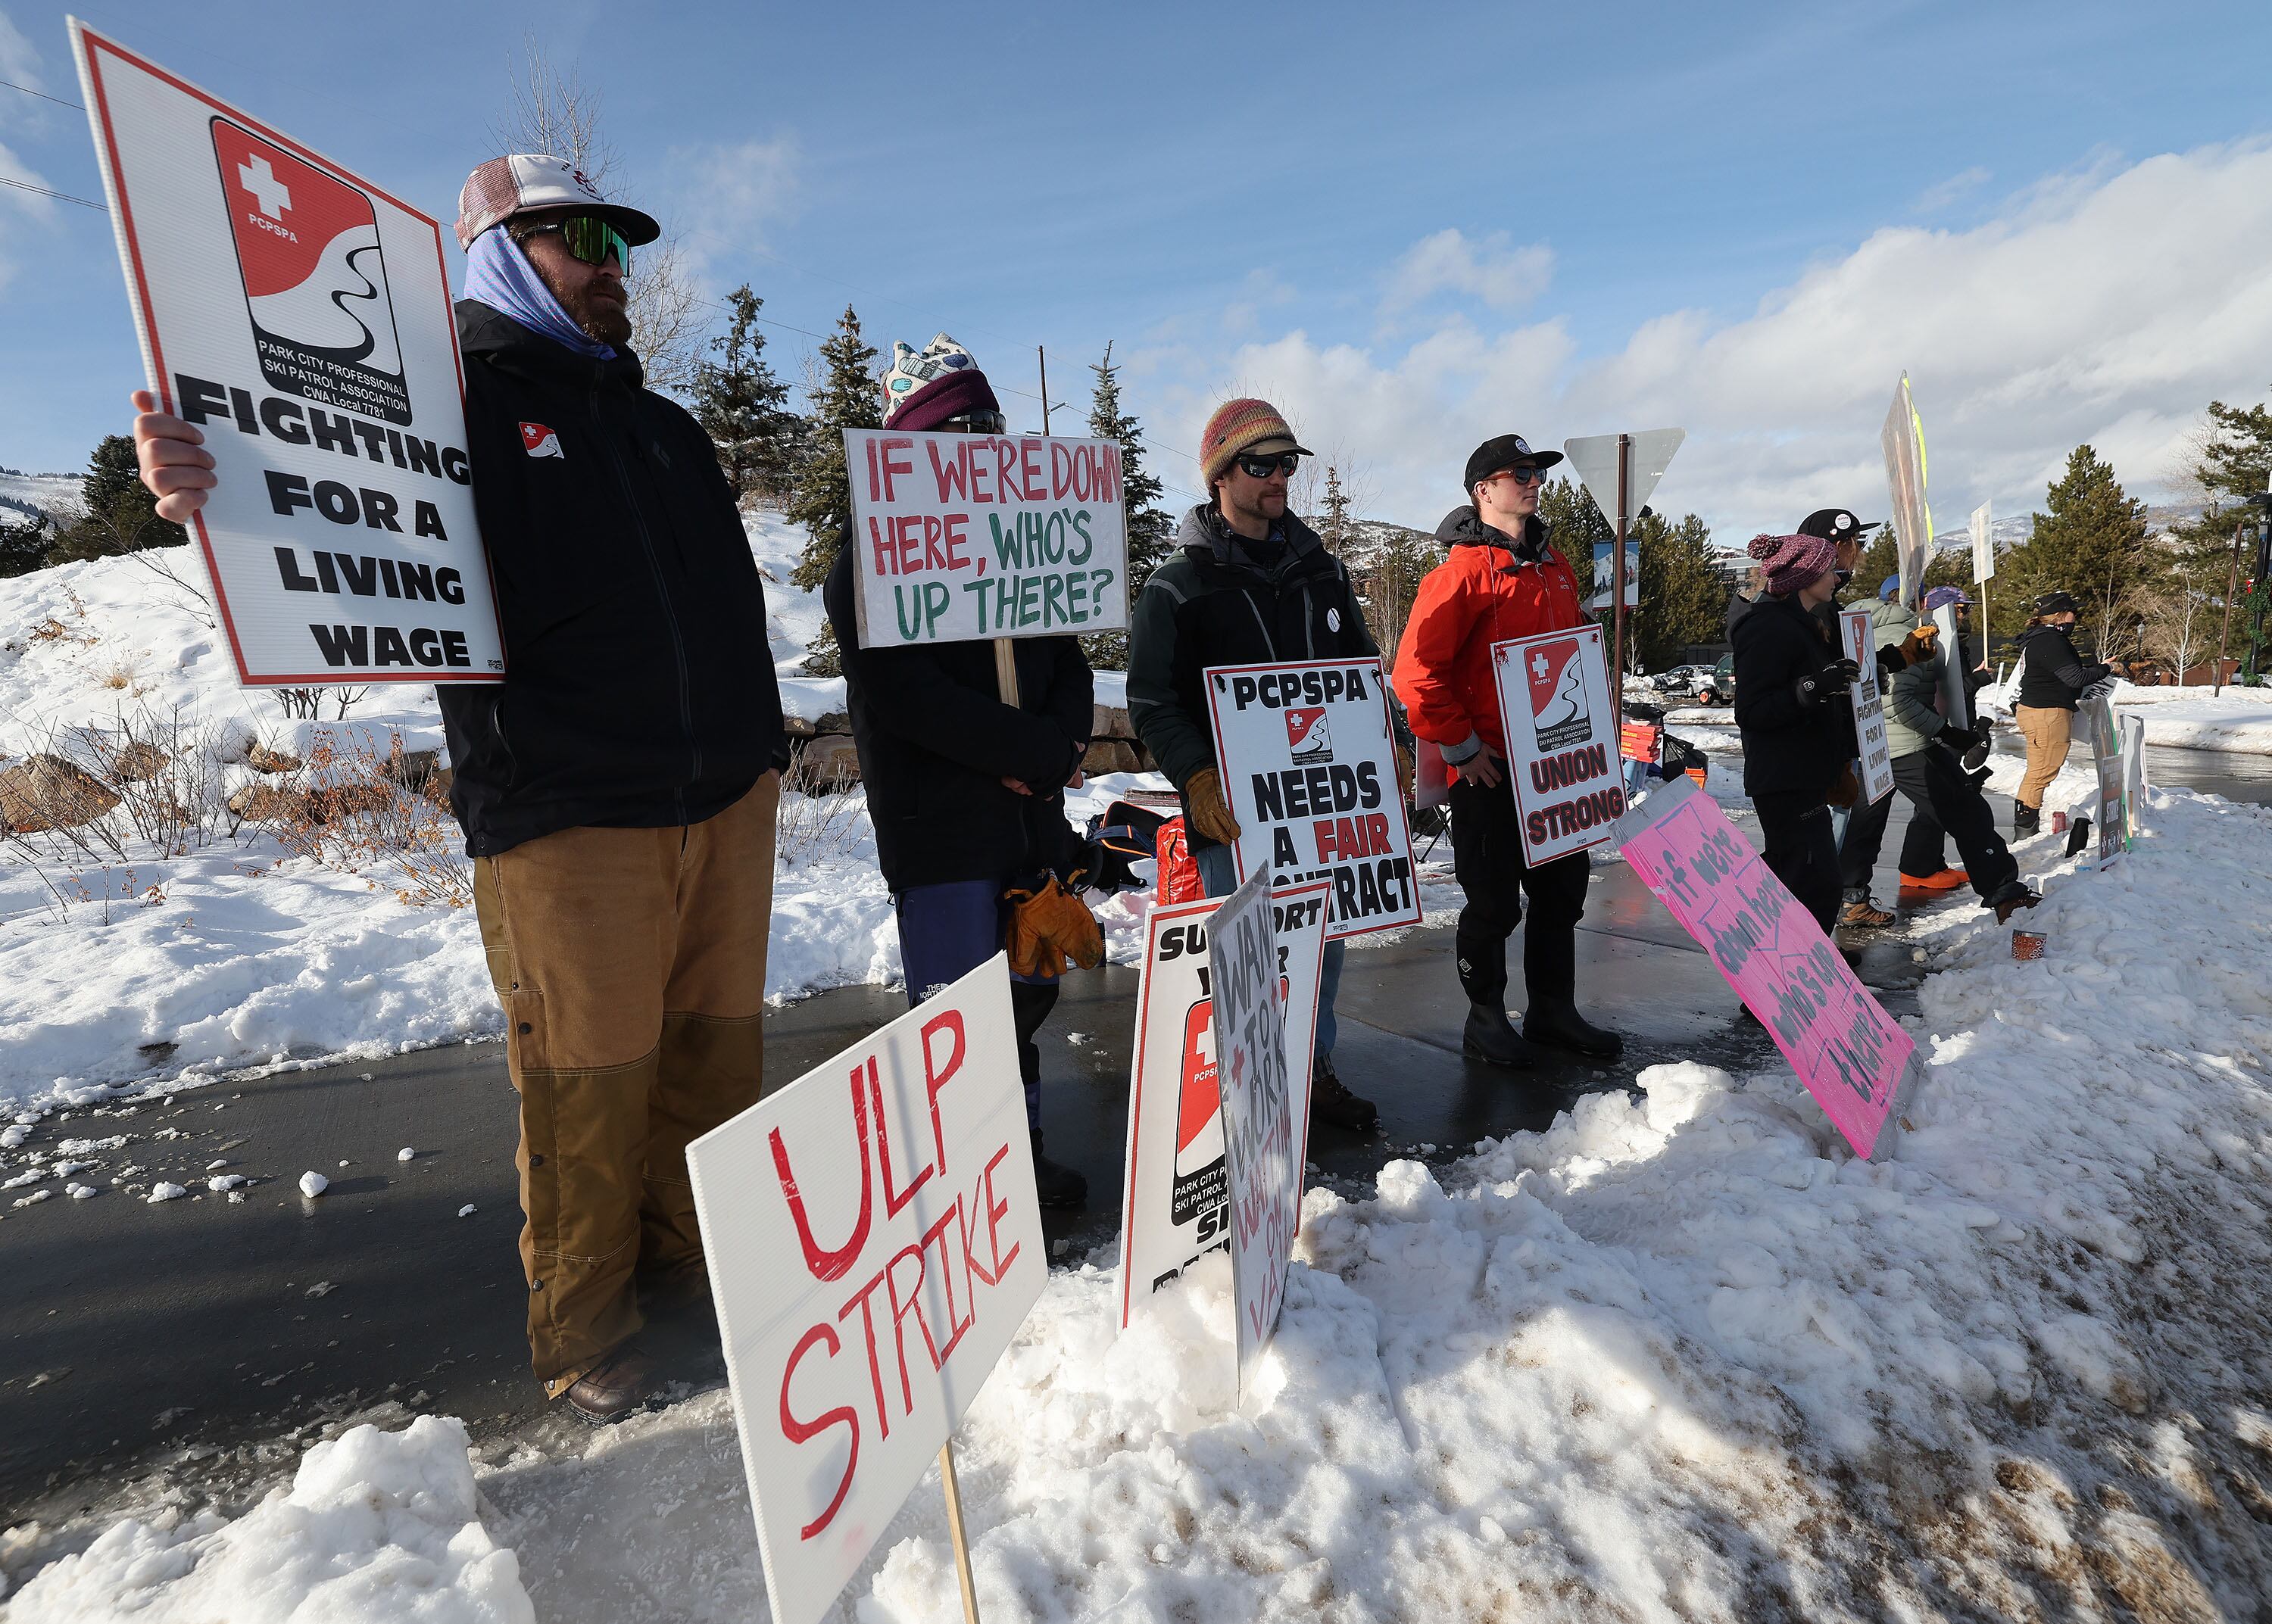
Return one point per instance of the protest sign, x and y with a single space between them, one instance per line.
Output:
1562 739
1869 705
957 536
1177 1206
874 1244
301 317
1852 1056
1902 438
1309 769
1956 692
1262 1156
2133 774
1605 572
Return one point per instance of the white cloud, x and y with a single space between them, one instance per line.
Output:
2109 304
1942 194
731 194
1493 269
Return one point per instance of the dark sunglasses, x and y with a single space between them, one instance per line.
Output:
1263 467
974 422
1524 475
590 239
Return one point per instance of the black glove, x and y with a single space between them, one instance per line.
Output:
1890 661
1957 739
1828 685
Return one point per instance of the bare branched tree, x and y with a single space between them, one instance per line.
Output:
552 110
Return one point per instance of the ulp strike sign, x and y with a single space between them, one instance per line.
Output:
1309 771
959 537
301 317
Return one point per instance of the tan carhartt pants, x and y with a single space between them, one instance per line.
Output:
2050 734
632 966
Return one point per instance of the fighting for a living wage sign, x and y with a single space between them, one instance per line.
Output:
1177 1205
1561 740
957 536
301 317
1852 1056
1860 644
1308 768
1260 1151
874 1244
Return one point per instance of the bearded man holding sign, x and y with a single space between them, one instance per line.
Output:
1501 582
617 789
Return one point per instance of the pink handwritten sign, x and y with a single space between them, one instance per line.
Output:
1850 1054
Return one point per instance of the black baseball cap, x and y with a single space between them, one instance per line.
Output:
1503 452
1835 524
2055 603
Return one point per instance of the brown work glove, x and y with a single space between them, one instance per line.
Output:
1210 815
1048 927
1404 770
1920 645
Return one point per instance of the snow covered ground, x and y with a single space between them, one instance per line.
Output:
2239 720
1678 1357
239 954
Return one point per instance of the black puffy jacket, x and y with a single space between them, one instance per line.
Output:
1210 605
639 689
1788 746
2053 674
936 742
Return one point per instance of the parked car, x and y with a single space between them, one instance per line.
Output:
1716 684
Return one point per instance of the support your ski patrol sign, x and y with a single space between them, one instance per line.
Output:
301 317
1177 1206
1561 740
1309 771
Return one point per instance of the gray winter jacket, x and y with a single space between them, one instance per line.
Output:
1913 718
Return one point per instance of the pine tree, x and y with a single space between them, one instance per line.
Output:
1150 530
122 515
1684 599
820 498
2091 542
1574 526
2189 609
1333 520
23 547
744 408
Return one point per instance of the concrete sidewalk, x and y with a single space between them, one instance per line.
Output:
214 1339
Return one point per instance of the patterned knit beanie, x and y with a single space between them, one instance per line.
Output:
1790 562
924 389
1240 426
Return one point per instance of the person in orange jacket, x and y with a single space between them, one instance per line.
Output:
1500 581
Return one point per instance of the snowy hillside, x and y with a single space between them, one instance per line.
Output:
51 496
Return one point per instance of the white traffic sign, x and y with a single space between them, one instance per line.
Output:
1649 452
302 317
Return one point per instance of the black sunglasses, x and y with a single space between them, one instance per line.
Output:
1263 467
590 239
1525 475
974 422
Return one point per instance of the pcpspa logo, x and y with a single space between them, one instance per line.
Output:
1307 734
1558 695
314 282
538 440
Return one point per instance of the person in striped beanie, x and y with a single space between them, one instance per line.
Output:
1248 582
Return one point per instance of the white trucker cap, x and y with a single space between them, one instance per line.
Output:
524 182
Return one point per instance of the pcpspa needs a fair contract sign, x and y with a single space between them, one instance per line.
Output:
958 537
301 317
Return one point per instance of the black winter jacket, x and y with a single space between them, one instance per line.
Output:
639 689
2054 674
1210 605
1788 746
936 742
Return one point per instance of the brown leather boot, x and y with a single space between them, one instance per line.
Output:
619 1385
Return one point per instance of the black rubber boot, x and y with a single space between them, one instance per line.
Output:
2026 820
2010 898
1563 1027
1489 1036
1055 1184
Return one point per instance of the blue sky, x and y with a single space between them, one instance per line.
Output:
1414 226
